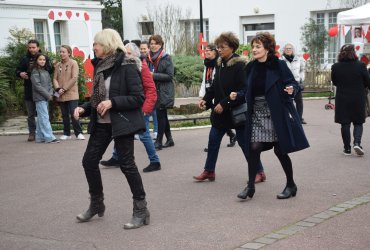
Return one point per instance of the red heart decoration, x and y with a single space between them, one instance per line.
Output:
277 47
60 14
365 60
333 31
277 54
357 47
69 14
51 15
77 14
368 36
245 52
306 56
87 17
78 53
89 68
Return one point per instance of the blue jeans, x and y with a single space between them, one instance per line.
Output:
146 139
155 121
214 142
44 133
67 109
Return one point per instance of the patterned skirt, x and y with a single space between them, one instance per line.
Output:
262 127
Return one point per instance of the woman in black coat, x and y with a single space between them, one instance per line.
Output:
351 78
160 64
115 112
273 121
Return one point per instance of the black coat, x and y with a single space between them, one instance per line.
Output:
285 118
229 77
351 79
26 65
163 78
127 96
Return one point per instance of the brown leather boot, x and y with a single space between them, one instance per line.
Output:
211 176
31 137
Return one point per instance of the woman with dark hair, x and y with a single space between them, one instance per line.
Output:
351 78
115 113
229 77
161 66
273 121
208 76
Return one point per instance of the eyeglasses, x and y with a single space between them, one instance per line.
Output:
222 47
209 50
288 48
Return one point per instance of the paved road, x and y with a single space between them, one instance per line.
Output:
43 188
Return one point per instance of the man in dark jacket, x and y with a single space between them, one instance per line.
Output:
24 70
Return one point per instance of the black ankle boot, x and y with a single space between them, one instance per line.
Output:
153 166
140 216
247 192
169 143
288 192
158 145
232 141
96 207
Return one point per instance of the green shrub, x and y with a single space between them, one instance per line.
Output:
188 69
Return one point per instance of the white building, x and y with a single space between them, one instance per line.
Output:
71 22
283 18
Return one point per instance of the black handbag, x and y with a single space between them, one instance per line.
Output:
239 114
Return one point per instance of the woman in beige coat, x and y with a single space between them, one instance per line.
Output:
65 83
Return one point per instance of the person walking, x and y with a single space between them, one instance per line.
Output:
144 50
297 65
23 71
208 76
150 93
229 77
42 93
161 66
273 121
65 83
115 112
351 78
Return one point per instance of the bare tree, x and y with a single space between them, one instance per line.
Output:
353 3
168 22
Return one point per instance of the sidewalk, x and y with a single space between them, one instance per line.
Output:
43 187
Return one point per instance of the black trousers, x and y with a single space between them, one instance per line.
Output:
98 143
346 134
299 104
67 109
163 125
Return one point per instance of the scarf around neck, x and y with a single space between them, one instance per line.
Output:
99 91
154 58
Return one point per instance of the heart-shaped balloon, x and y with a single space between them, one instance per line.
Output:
60 14
358 47
77 14
245 52
306 56
87 17
78 53
69 14
333 31
277 47
51 15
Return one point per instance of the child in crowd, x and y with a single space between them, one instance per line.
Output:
42 92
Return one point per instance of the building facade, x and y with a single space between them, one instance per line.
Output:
53 22
283 18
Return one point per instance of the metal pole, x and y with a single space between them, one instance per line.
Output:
201 16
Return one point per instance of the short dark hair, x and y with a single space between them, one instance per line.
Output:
347 53
144 42
137 42
158 39
229 38
34 41
213 47
268 42
125 42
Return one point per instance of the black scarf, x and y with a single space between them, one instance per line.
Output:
289 58
99 90
210 63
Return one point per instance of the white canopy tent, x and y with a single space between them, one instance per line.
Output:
356 16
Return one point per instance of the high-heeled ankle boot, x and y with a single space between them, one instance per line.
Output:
288 192
140 216
169 143
247 192
96 207
211 176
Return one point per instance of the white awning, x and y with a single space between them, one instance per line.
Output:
356 16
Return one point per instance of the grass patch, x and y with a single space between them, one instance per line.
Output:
317 94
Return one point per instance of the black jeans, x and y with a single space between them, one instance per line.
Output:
67 109
31 114
346 134
98 143
299 104
163 125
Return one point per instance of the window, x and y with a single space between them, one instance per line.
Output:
42 34
147 28
192 29
329 19
251 30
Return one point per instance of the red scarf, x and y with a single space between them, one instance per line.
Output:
155 59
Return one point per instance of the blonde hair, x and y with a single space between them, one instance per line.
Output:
110 40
